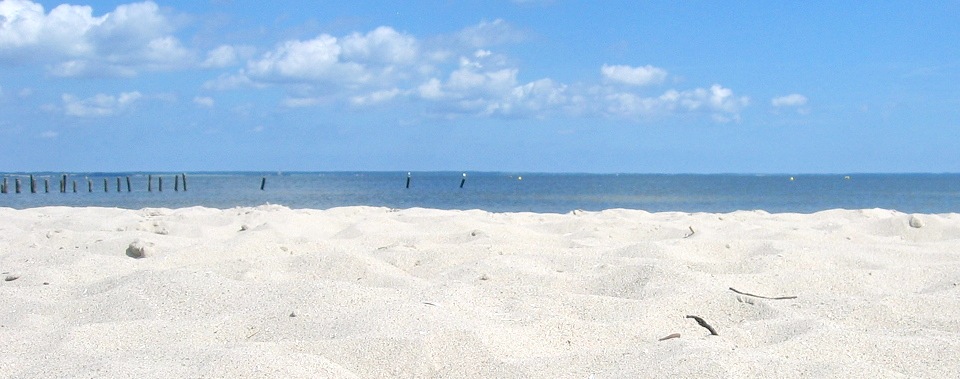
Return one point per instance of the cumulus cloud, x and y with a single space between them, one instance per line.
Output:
381 45
791 100
637 76
384 66
490 33
222 56
377 58
99 105
375 97
203 101
717 101
73 42
317 59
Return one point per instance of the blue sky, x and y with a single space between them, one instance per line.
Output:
544 86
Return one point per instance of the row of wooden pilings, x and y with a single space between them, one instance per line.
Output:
179 182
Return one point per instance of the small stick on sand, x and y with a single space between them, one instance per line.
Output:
672 336
704 324
692 232
763 297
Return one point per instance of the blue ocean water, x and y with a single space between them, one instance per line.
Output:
503 192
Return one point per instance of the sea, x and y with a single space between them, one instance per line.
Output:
491 191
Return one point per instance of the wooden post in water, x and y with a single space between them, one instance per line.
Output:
4 188
33 184
149 183
263 183
160 183
129 187
63 183
46 185
106 185
464 180
176 183
118 185
408 180
17 184
74 186
89 185
184 175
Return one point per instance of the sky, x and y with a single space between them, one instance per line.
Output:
512 86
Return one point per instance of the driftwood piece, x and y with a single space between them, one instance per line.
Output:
763 297
704 324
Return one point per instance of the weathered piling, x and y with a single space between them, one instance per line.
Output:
74 186
263 183
118 185
33 184
89 185
160 183
17 184
184 175
63 183
464 180
106 185
176 183
46 185
149 183
129 187
408 180
3 189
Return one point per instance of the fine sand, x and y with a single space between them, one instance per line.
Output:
373 292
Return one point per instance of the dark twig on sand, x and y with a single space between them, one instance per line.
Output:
672 336
692 232
704 324
763 297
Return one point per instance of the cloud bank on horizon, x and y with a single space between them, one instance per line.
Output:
543 85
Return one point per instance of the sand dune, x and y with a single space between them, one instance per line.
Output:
374 292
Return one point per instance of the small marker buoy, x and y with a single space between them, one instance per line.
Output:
791 178
846 177
519 178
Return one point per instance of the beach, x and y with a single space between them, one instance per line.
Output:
364 292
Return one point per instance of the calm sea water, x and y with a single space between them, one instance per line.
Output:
505 192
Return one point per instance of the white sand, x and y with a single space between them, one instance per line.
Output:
372 292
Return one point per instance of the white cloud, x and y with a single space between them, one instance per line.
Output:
490 33
222 56
431 90
49 134
317 59
99 105
375 97
226 55
203 101
384 66
377 58
301 102
73 42
791 100
381 45
638 76
226 82
717 101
